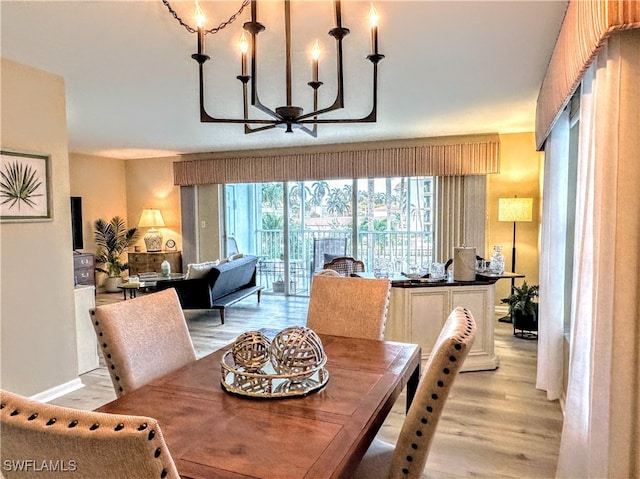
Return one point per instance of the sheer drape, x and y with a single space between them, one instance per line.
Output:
600 438
552 260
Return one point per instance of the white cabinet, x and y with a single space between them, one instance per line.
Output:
416 315
86 342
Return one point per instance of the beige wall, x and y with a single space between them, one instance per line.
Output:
520 167
150 185
37 319
101 182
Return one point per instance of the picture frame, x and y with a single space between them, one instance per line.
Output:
25 187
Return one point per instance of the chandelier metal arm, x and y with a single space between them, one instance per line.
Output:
288 115
370 118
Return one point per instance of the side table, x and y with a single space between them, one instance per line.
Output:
133 287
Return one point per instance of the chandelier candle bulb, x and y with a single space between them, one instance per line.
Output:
315 55
199 14
373 21
244 48
336 4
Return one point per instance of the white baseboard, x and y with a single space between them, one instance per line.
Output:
57 391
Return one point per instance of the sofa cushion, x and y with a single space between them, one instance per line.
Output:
200 270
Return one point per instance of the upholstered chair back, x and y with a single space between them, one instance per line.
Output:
447 357
345 265
353 307
142 339
409 457
328 272
44 441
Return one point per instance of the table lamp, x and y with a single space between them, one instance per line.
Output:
152 219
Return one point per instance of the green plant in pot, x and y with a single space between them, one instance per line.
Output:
113 239
523 310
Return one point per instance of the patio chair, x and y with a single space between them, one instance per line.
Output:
407 459
345 265
142 339
352 307
232 246
332 247
82 444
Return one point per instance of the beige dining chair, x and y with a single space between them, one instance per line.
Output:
142 338
353 307
45 441
407 459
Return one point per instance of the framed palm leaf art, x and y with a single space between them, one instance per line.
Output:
25 193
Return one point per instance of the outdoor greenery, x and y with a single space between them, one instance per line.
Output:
391 213
113 239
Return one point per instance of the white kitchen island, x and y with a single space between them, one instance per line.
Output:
418 310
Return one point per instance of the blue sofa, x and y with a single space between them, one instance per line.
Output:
221 287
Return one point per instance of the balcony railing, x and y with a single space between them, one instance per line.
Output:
396 250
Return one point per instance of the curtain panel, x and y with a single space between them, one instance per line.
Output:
553 260
601 431
586 25
446 156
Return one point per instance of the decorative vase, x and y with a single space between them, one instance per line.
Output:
165 269
111 284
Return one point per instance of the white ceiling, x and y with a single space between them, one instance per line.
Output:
451 67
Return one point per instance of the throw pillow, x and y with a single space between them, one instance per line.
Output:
200 270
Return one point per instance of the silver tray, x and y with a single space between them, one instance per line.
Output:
266 383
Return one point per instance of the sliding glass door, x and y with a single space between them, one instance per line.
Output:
375 220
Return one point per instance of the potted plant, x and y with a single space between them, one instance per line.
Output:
523 310
112 240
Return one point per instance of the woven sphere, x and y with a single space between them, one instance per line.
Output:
250 350
296 350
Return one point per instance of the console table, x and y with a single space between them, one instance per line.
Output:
150 262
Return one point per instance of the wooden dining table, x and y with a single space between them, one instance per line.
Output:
212 433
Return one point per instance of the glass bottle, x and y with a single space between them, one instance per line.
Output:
496 265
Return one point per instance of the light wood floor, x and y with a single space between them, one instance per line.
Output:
495 424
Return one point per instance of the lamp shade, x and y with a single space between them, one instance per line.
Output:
515 209
151 218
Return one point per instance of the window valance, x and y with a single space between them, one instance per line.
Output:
587 24
443 156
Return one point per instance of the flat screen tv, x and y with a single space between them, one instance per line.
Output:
76 222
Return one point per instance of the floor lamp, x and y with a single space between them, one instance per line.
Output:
514 210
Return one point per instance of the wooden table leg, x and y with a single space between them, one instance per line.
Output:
412 386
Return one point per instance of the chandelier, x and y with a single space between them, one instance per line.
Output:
288 116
